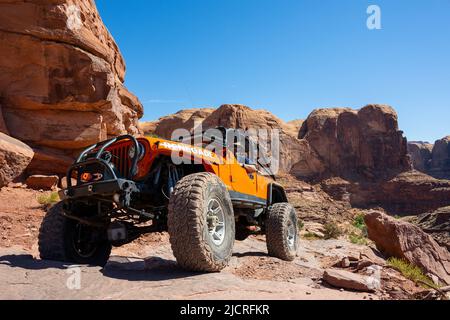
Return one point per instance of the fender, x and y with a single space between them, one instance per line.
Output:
275 194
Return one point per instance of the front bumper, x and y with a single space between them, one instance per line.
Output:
100 188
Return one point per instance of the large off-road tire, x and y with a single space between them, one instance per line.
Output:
201 223
67 240
282 231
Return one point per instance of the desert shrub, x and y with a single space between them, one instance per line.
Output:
357 239
300 224
48 198
358 222
410 271
310 236
332 230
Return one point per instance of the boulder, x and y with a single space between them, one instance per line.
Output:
14 158
349 280
61 76
358 145
406 241
39 182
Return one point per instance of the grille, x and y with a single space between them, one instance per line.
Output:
120 158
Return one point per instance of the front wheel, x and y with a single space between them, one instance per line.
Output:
201 223
282 231
67 240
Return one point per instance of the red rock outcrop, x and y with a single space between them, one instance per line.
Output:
407 241
420 154
440 159
433 160
366 161
14 158
363 144
183 119
408 193
61 78
293 127
437 224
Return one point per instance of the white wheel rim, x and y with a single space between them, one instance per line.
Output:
216 222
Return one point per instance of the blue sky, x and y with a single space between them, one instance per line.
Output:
288 56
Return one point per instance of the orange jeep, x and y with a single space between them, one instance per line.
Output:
128 186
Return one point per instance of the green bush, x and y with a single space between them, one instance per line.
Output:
48 198
358 222
357 239
410 271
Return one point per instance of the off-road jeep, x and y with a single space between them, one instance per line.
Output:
126 187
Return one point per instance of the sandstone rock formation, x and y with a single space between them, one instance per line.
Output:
414 192
61 79
420 154
14 158
183 119
363 144
408 193
407 241
440 159
433 160
293 127
437 224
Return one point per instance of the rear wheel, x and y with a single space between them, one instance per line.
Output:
201 223
282 231
67 240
